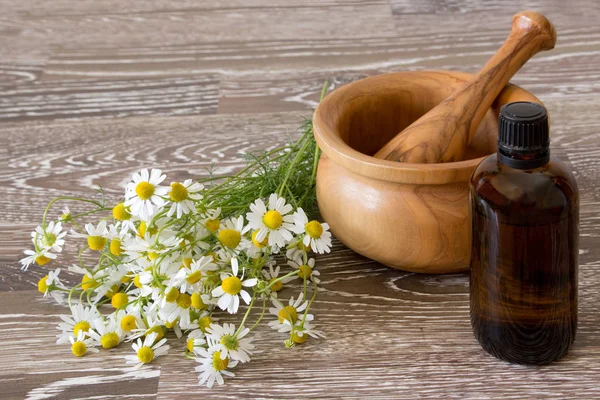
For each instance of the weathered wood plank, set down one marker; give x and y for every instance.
(35, 367)
(119, 98)
(67, 69)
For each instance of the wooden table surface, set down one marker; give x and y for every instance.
(91, 91)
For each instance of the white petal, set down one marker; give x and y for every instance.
(245, 296)
(250, 282)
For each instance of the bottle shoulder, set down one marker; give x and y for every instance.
(550, 189)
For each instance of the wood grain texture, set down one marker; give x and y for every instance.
(255, 68)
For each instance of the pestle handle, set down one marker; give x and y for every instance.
(443, 134)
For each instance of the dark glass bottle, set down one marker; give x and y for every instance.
(525, 231)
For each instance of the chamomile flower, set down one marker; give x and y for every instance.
(212, 221)
(96, 235)
(189, 277)
(299, 250)
(271, 275)
(49, 283)
(151, 323)
(195, 340)
(66, 214)
(108, 333)
(179, 309)
(81, 344)
(231, 287)
(212, 367)
(301, 331)
(81, 320)
(231, 234)
(306, 270)
(117, 235)
(315, 234)
(271, 220)
(147, 350)
(40, 257)
(144, 193)
(289, 313)
(49, 238)
(182, 196)
(229, 344)
(129, 321)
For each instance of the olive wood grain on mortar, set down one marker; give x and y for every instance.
(408, 216)
(443, 134)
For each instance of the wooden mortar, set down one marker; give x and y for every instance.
(413, 217)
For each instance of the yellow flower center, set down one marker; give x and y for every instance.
(304, 248)
(232, 285)
(276, 287)
(115, 247)
(153, 255)
(197, 301)
(289, 313)
(230, 342)
(299, 339)
(171, 324)
(42, 260)
(88, 282)
(79, 349)
(112, 291)
(128, 323)
(109, 340)
(230, 238)
(213, 225)
(81, 326)
(145, 354)
(178, 192)
(159, 330)
(144, 190)
(119, 300)
(125, 279)
(272, 219)
(194, 277)
(136, 281)
(184, 300)
(120, 212)
(258, 244)
(204, 323)
(190, 344)
(219, 364)
(42, 287)
(96, 242)
(143, 228)
(304, 271)
(186, 263)
(49, 239)
(172, 295)
(314, 229)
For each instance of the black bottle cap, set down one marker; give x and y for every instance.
(523, 135)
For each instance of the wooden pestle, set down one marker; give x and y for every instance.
(443, 134)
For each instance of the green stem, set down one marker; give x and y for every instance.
(262, 314)
(100, 205)
(239, 329)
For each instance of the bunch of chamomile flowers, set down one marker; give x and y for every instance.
(168, 259)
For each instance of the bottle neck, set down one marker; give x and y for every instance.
(524, 160)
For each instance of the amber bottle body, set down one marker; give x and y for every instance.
(524, 261)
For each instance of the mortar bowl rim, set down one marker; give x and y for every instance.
(335, 148)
